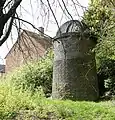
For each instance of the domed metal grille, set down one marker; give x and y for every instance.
(72, 26)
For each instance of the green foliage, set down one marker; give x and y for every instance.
(12, 101)
(106, 47)
(34, 75)
(100, 18)
(17, 104)
(106, 73)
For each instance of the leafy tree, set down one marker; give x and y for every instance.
(101, 20)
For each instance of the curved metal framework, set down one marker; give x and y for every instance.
(72, 26)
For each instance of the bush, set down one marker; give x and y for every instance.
(106, 76)
(34, 75)
(24, 105)
(12, 101)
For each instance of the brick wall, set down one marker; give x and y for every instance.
(28, 47)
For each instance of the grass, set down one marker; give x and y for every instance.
(15, 104)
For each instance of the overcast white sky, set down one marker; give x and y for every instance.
(35, 14)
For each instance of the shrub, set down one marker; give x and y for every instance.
(34, 75)
(12, 101)
(24, 105)
(106, 76)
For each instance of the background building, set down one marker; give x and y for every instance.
(28, 47)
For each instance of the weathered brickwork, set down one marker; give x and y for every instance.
(29, 46)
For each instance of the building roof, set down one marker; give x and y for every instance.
(40, 37)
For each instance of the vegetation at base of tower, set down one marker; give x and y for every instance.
(37, 76)
(18, 104)
(19, 99)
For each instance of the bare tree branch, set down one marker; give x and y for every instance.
(32, 26)
(8, 9)
(5, 17)
(13, 9)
